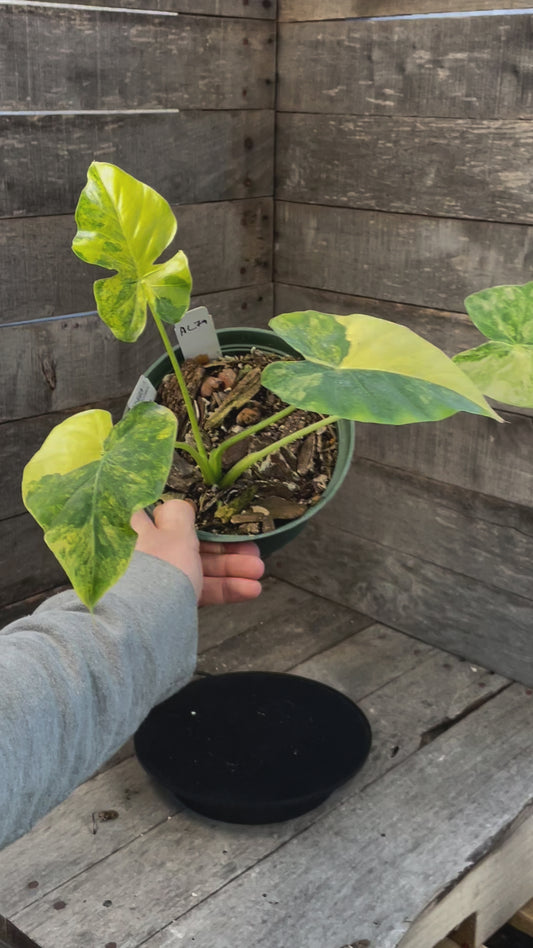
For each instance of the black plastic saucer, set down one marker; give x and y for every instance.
(254, 747)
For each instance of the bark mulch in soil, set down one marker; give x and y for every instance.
(229, 398)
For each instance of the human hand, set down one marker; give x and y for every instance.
(220, 573)
(231, 572)
(171, 536)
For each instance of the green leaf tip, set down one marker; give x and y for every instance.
(87, 479)
(125, 225)
(367, 369)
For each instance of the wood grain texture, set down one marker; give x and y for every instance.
(523, 919)
(484, 538)
(464, 451)
(488, 893)
(189, 157)
(50, 365)
(382, 665)
(438, 167)
(288, 642)
(314, 891)
(263, 9)
(430, 262)
(249, 9)
(228, 245)
(470, 618)
(82, 58)
(299, 10)
(217, 624)
(422, 67)
(27, 565)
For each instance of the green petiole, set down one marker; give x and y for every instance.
(235, 472)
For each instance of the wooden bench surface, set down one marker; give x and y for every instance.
(436, 827)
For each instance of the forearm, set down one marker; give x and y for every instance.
(75, 686)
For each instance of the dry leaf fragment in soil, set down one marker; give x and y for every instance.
(228, 398)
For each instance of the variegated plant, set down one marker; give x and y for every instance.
(356, 367)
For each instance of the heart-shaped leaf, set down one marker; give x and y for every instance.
(503, 367)
(368, 369)
(125, 225)
(85, 482)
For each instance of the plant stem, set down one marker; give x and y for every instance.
(215, 457)
(235, 472)
(203, 460)
(183, 446)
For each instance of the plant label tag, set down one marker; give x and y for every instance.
(144, 391)
(197, 335)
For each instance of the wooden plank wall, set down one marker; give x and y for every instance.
(179, 93)
(404, 169)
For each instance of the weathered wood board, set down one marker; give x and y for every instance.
(189, 157)
(263, 9)
(27, 565)
(228, 245)
(249, 9)
(474, 535)
(464, 451)
(298, 10)
(315, 890)
(443, 67)
(83, 58)
(376, 662)
(287, 643)
(487, 625)
(486, 896)
(408, 165)
(429, 262)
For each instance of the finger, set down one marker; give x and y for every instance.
(249, 567)
(220, 591)
(141, 523)
(247, 548)
(174, 514)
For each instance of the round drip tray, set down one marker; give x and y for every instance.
(254, 747)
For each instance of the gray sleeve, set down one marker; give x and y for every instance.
(75, 686)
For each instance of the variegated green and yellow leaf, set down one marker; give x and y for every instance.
(503, 313)
(501, 371)
(368, 369)
(503, 367)
(125, 225)
(85, 482)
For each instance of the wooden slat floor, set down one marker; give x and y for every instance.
(434, 831)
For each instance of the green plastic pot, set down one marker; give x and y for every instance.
(232, 342)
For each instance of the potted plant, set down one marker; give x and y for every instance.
(89, 477)
(348, 368)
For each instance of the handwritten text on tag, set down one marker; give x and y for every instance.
(197, 335)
